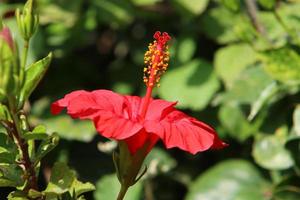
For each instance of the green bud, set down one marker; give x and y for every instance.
(8, 64)
(27, 20)
(127, 165)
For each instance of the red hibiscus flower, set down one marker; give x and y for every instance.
(137, 120)
(138, 123)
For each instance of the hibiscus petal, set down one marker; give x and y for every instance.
(59, 105)
(133, 104)
(158, 108)
(218, 144)
(140, 139)
(106, 108)
(83, 104)
(184, 132)
(114, 127)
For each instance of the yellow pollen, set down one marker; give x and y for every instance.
(156, 60)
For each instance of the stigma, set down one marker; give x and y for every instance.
(156, 59)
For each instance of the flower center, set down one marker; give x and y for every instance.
(156, 60)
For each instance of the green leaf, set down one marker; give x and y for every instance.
(63, 179)
(290, 15)
(7, 183)
(186, 49)
(17, 195)
(271, 94)
(7, 157)
(56, 15)
(282, 64)
(234, 121)
(70, 129)
(117, 13)
(34, 194)
(231, 60)
(194, 7)
(145, 2)
(269, 152)
(293, 146)
(263, 99)
(192, 85)
(4, 113)
(296, 120)
(268, 4)
(159, 161)
(33, 76)
(2, 95)
(8, 150)
(233, 5)
(6, 144)
(108, 187)
(38, 133)
(35, 136)
(220, 24)
(234, 179)
(274, 32)
(288, 188)
(46, 146)
(248, 86)
(10, 175)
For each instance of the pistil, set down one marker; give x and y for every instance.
(156, 60)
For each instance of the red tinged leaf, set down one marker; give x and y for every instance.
(6, 35)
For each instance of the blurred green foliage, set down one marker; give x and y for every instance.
(234, 64)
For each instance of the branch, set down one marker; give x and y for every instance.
(16, 131)
(252, 13)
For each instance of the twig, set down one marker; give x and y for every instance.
(29, 168)
(252, 12)
(23, 147)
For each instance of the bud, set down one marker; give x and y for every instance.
(8, 63)
(27, 20)
(128, 165)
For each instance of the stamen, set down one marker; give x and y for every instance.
(156, 59)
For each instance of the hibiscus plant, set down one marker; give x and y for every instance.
(135, 123)
(22, 146)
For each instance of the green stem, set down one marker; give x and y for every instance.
(23, 62)
(25, 53)
(122, 192)
(275, 176)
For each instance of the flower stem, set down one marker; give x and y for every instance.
(23, 62)
(122, 192)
